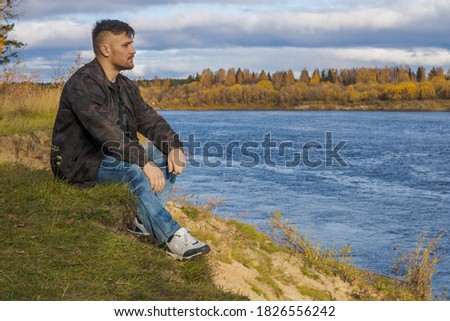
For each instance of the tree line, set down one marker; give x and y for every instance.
(247, 89)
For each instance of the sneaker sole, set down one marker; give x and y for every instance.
(139, 229)
(186, 258)
(137, 233)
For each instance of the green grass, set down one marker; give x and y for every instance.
(59, 242)
(255, 238)
(315, 294)
(24, 122)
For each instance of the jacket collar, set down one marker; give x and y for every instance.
(101, 74)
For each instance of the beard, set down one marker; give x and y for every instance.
(125, 64)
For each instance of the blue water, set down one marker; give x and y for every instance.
(388, 181)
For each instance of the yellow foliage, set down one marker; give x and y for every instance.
(438, 79)
(267, 84)
(144, 90)
(401, 91)
(366, 76)
(315, 79)
(446, 90)
(426, 90)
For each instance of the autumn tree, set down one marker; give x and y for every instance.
(206, 78)
(248, 76)
(156, 82)
(403, 75)
(166, 84)
(383, 76)
(426, 90)
(263, 76)
(304, 76)
(315, 79)
(288, 78)
(348, 76)
(277, 79)
(366, 76)
(436, 75)
(220, 76)
(231, 77)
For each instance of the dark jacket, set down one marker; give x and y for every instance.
(86, 126)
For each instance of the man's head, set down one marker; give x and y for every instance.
(113, 41)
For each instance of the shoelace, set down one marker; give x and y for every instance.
(189, 239)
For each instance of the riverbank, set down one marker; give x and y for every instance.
(63, 243)
(441, 105)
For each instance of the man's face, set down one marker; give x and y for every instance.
(122, 51)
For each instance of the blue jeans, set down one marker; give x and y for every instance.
(151, 209)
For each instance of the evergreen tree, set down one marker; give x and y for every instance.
(9, 47)
(239, 76)
(421, 74)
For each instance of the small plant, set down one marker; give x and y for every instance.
(330, 261)
(420, 266)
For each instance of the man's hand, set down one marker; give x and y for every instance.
(176, 162)
(155, 176)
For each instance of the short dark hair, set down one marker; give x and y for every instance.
(117, 27)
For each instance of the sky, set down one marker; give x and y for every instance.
(178, 38)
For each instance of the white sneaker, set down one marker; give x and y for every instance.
(183, 246)
(138, 229)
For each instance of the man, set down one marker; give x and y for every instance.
(95, 138)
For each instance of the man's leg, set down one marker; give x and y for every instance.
(182, 245)
(151, 208)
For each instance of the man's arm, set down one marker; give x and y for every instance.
(154, 127)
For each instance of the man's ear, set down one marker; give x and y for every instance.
(105, 50)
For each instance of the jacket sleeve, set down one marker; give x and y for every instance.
(153, 126)
(89, 102)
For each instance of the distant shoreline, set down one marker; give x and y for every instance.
(441, 105)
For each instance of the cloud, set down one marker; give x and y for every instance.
(46, 35)
(201, 28)
(177, 38)
(36, 9)
(354, 27)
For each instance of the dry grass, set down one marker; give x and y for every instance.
(24, 104)
(418, 265)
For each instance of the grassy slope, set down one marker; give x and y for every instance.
(58, 242)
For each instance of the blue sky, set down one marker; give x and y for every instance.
(176, 38)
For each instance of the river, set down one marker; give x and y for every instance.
(374, 180)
